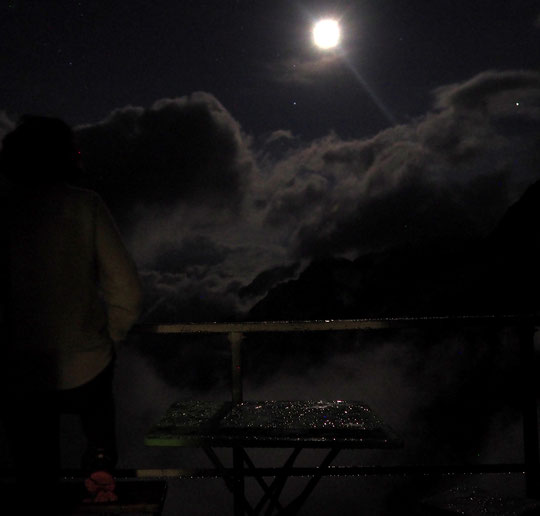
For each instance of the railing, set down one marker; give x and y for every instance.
(524, 325)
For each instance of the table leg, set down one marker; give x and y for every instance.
(238, 481)
(278, 484)
(297, 503)
(267, 489)
(234, 482)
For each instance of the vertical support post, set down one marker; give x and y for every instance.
(530, 415)
(235, 338)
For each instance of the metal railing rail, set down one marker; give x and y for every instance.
(525, 326)
(494, 321)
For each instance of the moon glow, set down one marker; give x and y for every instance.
(326, 34)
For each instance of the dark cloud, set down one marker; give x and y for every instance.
(187, 149)
(268, 279)
(176, 176)
(195, 253)
(187, 296)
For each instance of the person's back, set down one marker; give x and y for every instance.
(74, 290)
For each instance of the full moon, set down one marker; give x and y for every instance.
(326, 34)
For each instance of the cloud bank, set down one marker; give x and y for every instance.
(209, 211)
(206, 209)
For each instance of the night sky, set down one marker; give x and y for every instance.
(80, 59)
(233, 154)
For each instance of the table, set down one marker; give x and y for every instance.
(333, 425)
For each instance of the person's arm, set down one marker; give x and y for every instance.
(118, 276)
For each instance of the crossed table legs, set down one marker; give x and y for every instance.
(271, 491)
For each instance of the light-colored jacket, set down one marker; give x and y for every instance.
(74, 288)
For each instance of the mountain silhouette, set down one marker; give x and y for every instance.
(499, 274)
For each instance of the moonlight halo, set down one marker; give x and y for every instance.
(326, 33)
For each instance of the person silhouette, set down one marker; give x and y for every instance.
(70, 291)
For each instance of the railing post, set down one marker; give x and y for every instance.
(530, 415)
(235, 338)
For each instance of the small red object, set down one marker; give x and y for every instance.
(101, 485)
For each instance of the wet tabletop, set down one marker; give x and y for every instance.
(272, 423)
(474, 501)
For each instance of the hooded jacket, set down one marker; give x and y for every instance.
(74, 290)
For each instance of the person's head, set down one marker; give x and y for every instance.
(40, 151)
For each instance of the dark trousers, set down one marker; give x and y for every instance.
(33, 428)
(94, 403)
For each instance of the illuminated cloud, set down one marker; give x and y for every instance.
(280, 134)
(478, 93)
(452, 172)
